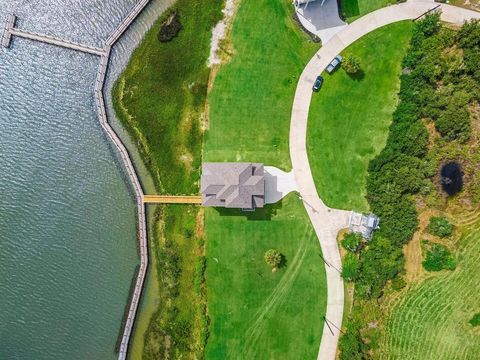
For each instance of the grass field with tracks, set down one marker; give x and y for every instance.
(257, 314)
(252, 96)
(349, 118)
(431, 322)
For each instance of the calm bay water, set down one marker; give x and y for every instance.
(67, 215)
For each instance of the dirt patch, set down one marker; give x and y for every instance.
(200, 226)
(219, 47)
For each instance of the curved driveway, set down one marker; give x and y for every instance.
(327, 222)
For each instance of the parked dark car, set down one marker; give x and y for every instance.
(318, 83)
(334, 64)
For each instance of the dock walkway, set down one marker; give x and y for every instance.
(10, 30)
(172, 199)
(104, 53)
(57, 42)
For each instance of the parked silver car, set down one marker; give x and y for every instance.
(334, 64)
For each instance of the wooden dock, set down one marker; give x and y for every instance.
(47, 39)
(139, 195)
(10, 31)
(140, 198)
(7, 34)
(172, 199)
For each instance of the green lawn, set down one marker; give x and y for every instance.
(431, 321)
(353, 9)
(257, 314)
(349, 117)
(251, 100)
(254, 313)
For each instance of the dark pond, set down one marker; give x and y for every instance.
(451, 178)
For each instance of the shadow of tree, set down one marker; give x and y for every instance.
(283, 262)
(358, 76)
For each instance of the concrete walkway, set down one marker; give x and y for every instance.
(327, 222)
(278, 184)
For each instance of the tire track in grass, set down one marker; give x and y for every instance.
(276, 297)
(431, 322)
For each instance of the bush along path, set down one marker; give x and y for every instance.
(406, 168)
(327, 221)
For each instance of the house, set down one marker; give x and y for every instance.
(233, 185)
(364, 224)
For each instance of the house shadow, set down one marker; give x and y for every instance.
(265, 213)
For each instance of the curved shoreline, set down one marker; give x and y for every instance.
(127, 162)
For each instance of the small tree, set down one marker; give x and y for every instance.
(438, 258)
(351, 267)
(351, 242)
(273, 258)
(475, 320)
(440, 226)
(351, 64)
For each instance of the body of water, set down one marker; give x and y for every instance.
(67, 215)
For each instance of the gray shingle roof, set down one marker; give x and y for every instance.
(233, 185)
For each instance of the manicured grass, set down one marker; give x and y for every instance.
(349, 117)
(432, 319)
(353, 9)
(161, 94)
(254, 313)
(252, 96)
(257, 314)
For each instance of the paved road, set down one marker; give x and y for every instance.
(327, 222)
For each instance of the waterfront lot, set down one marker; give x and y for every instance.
(255, 313)
(349, 118)
(252, 96)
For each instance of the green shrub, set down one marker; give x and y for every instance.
(429, 25)
(475, 320)
(440, 226)
(438, 258)
(351, 64)
(273, 258)
(381, 261)
(454, 122)
(398, 283)
(351, 267)
(351, 344)
(170, 27)
(351, 242)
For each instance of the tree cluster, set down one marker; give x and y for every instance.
(439, 82)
